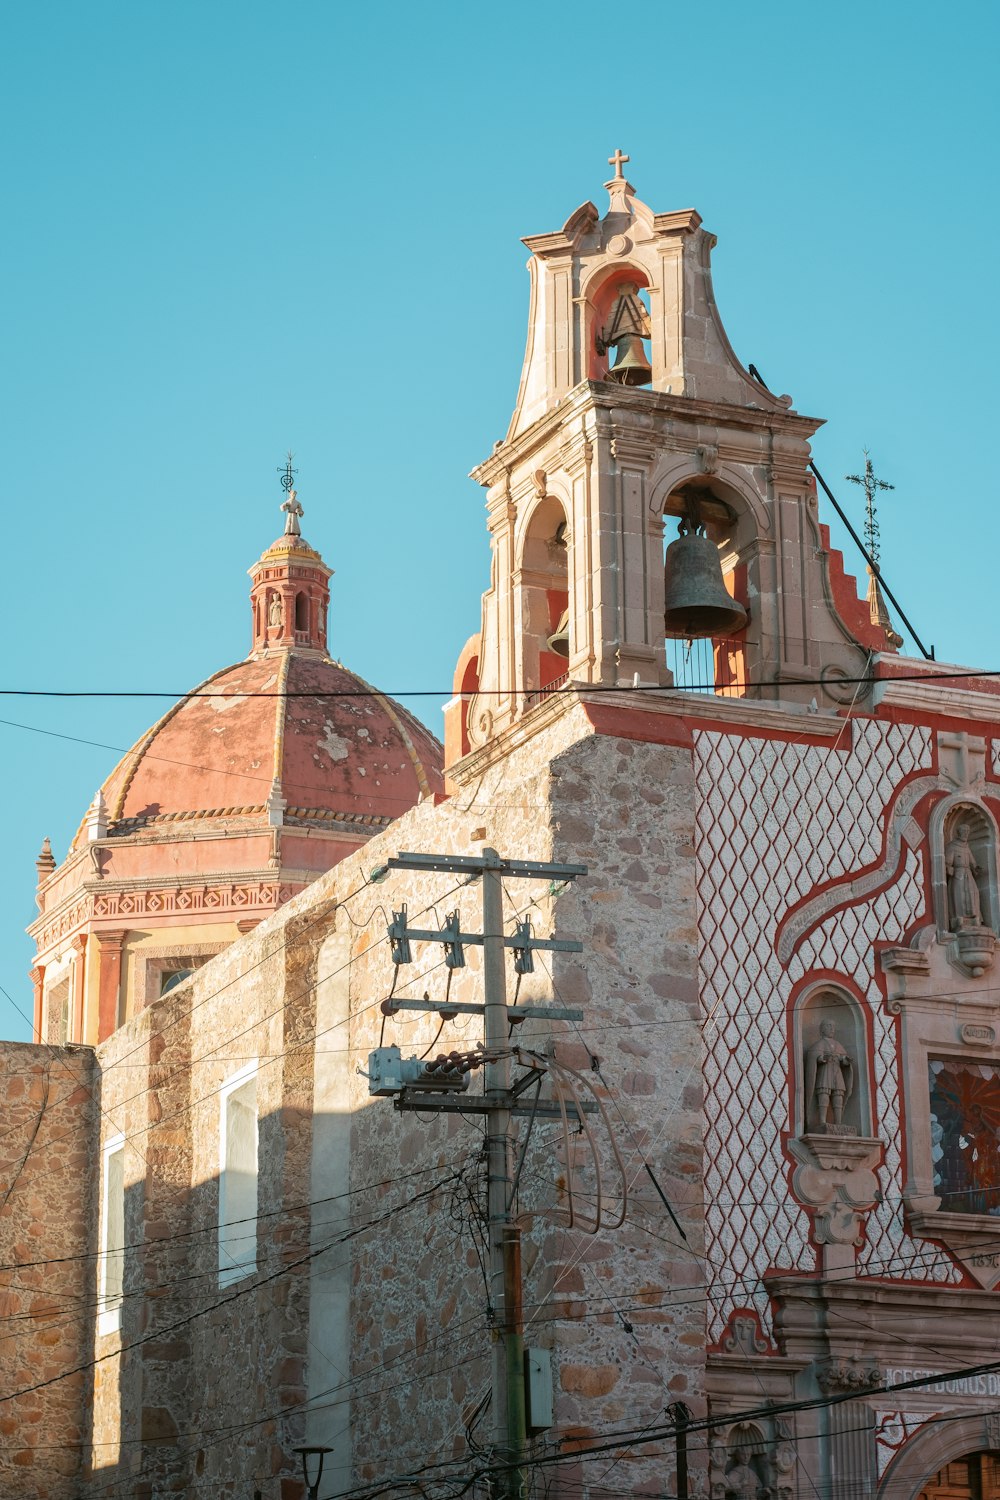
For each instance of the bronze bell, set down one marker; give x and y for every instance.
(558, 641)
(697, 602)
(631, 367)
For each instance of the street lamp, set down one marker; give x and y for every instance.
(312, 1459)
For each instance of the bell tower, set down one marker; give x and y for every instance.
(635, 426)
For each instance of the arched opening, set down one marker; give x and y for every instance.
(301, 613)
(974, 1476)
(618, 340)
(465, 685)
(470, 684)
(546, 628)
(716, 662)
(950, 1452)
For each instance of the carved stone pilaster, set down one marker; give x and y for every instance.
(850, 1424)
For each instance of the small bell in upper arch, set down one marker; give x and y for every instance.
(631, 367)
(626, 329)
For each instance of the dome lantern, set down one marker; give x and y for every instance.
(290, 594)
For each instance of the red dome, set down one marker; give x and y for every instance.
(340, 752)
(249, 788)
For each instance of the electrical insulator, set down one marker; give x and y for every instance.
(524, 963)
(390, 1073)
(454, 950)
(398, 940)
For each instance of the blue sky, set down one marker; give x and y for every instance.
(232, 228)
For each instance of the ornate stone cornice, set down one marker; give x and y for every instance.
(221, 896)
(700, 711)
(936, 692)
(592, 396)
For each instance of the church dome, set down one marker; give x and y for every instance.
(291, 723)
(250, 787)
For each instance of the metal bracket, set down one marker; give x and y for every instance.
(482, 1104)
(451, 935)
(448, 1008)
(470, 864)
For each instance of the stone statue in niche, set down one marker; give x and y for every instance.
(965, 907)
(743, 1482)
(829, 1077)
(274, 610)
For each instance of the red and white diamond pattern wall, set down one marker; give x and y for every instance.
(776, 820)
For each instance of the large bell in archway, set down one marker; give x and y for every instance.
(631, 367)
(558, 641)
(696, 600)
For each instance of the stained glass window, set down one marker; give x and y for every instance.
(965, 1135)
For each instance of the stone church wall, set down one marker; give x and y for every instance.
(209, 1385)
(197, 1365)
(625, 809)
(47, 1244)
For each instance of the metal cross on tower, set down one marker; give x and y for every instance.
(288, 473)
(870, 484)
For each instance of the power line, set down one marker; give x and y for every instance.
(243, 1291)
(566, 690)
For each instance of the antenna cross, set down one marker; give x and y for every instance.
(617, 160)
(869, 483)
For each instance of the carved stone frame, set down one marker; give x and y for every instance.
(943, 1013)
(834, 1176)
(971, 951)
(150, 964)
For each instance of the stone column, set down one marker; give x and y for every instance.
(109, 984)
(849, 1441)
(638, 551)
(37, 977)
(79, 986)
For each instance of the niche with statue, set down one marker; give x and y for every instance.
(832, 1140)
(964, 876)
(753, 1462)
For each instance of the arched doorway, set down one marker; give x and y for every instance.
(975, 1476)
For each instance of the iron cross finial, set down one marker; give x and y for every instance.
(870, 484)
(288, 473)
(617, 160)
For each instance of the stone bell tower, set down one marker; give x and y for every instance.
(634, 414)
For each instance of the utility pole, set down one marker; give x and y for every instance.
(417, 1086)
(505, 1238)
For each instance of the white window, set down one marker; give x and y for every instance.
(112, 1264)
(238, 1176)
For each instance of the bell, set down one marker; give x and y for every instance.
(697, 602)
(631, 366)
(558, 641)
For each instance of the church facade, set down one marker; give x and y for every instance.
(764, 1262)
